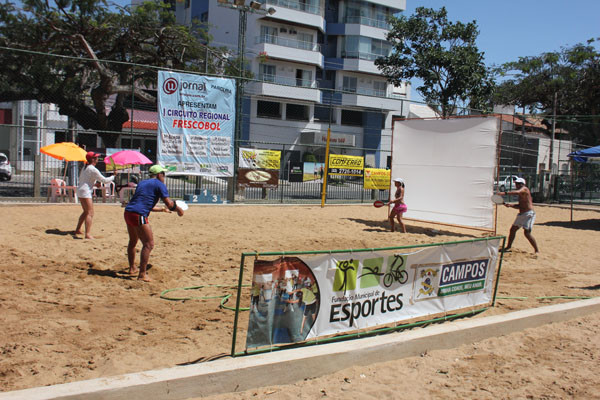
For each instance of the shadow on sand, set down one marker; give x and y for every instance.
(586, 224)
(122, 274)
(384, 226)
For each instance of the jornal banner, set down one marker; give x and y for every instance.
(196, 120)
(298, 298)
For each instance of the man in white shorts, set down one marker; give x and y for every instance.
(526, 216)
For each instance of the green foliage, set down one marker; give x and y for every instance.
(443, 54)
(569, 79)
(309, 157)
(84, 84)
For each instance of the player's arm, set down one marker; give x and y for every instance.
(170, 206)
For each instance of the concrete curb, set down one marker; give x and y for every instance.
(289, 366)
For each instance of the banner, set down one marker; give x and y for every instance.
(258, 158)
(376, 178)
(261, 178)
(346, 165)
(196, 122)
(312, 171)
(300, 298)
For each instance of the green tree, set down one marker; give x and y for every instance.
(568, 79)
(441, 53)
(78, 54)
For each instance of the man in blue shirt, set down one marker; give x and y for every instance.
(144, 201)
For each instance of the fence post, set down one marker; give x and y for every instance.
(37, 175)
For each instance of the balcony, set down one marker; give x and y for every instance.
(371, 98)
(286, 87)
(376, 23)
(299, 13)
(297, 5)
(290, 49)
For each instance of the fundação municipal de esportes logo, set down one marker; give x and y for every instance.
(380, 271)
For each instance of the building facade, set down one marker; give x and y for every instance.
(313, 63)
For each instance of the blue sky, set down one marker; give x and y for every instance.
(511, 29)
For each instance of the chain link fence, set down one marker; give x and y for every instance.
(291, 116)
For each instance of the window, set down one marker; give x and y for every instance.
(268, 109)
(305, 41)
(349, 84)
(322, 114)
(268, 34)
(267, 73)
(380, 88)
(303, 78)
(351, 117)
(296, 112)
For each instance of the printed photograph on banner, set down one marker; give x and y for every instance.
(284, 302)
(261, 178)
(312, 171)
(196, 120)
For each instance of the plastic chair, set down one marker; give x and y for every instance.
(57, 190)
(107, 191)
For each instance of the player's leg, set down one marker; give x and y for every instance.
(531, 239)
(144, 232)
(133, 239)
(511, 236)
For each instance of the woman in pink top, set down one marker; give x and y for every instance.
(399, 206)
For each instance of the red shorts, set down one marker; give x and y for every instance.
(135, 219)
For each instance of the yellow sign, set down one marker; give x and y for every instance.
(259, 158)
(346, 165)
(376, 178)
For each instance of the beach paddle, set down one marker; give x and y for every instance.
(379, 203)
(181, 204)
(497, 199)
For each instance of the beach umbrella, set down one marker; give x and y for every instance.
(67, 151)
(127, 157)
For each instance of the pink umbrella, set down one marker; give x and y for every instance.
(126, 157)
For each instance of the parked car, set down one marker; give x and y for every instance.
(506, 183)
(5, 168)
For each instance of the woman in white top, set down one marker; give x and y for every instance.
(87, 179)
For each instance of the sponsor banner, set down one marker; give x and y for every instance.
(376, 178)
(346, 165)
(258, 158)
(315, 296)
(312, 171)
(261, 178)
(196, 120)
(296, 171)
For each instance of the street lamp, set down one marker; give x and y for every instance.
(253, 7)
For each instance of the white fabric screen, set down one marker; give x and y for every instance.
(448, 168)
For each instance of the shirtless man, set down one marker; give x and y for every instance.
(526, 216)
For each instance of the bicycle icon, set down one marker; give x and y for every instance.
(396, 272)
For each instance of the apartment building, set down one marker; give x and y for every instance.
(310, 57)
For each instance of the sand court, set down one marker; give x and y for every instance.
(69, 313)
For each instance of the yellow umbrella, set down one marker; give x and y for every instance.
(67, 151)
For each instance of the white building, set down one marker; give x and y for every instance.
(301, 53)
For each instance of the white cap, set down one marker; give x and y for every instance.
(520, 180)
(398, 180)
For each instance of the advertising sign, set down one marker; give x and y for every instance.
(259, 158)
(376, 178)
(262, 178)
(196, 120)
(314, 296)
(346, 165)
